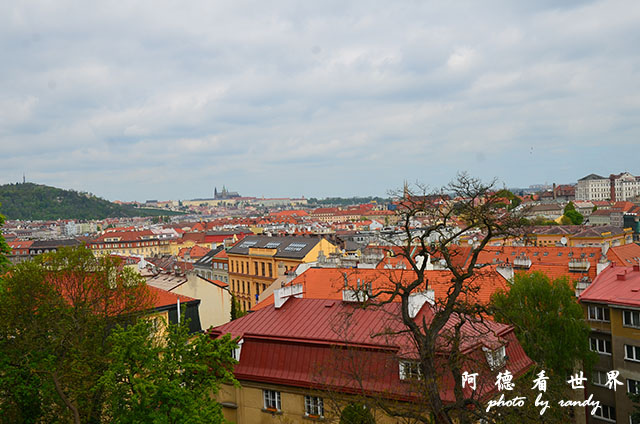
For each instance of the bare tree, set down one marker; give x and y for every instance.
(452, 225)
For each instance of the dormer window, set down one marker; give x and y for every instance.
(496, 358)
(410, 370)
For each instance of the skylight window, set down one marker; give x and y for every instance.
(295, 247)
(247, 244)
(272, 245)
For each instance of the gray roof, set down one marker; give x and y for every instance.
(592, 177)
(287, 246)
(54, 244)
(205, 261)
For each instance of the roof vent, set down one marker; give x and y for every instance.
(522, 261)
(579, 265)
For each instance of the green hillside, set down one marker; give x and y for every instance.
(30, 201)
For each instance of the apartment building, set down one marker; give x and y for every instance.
(612, 309)
(257, 261)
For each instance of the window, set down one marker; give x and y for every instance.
(600, 345)
(313, 406)
(495, 358)
(599, 378)
(271, 400)
(270, 270)
(605, 412)
(631, 318)
(263, 273)
(410, 370)
(598, 313)
(256, 267)
(632, 353)
(633, 386)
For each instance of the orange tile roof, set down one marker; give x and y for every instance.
(327, 283)
(628, 254)
(162, 298)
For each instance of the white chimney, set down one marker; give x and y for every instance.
(281, 295)
(417, 301)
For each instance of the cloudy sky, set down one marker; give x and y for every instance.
(162, 100)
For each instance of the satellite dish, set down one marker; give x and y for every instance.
(470, 241)
(563, 240)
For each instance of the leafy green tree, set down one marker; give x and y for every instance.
(356, 413)
(572, 215)
(165, 378)
(56, 313)
(4, 249)
(549, 322)
(236, 309)
(513, 200)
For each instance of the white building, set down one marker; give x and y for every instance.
(618, 187)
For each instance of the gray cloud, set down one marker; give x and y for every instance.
(166, 100)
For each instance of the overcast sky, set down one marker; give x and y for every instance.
(165, 100)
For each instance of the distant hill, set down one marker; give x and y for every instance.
(30, 201)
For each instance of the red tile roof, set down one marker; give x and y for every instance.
(552, 260)
(162, 298)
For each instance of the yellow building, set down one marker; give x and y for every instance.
(304, 359)
(257, 261)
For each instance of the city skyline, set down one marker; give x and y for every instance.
(167, 101)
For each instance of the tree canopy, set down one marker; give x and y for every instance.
(571, 215)
(548, 320)
(4, 249)
(62, 361)
(167, 379)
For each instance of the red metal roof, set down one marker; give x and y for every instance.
(314, 342)
(618, 285)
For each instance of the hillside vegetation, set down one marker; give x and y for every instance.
(30, 201)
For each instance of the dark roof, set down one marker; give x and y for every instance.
(287, 246)
(205, 261)
(592, 177)
(54, 244)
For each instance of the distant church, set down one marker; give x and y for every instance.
(224, 194)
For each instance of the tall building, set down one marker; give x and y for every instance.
(617, 187)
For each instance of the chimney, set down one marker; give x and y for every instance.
(417, 301)
(281, 295)
(636, 268)
(622, 276)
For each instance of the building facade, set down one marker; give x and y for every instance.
(612, 309)
(257, 261)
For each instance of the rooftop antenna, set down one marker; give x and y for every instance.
(24, 178)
